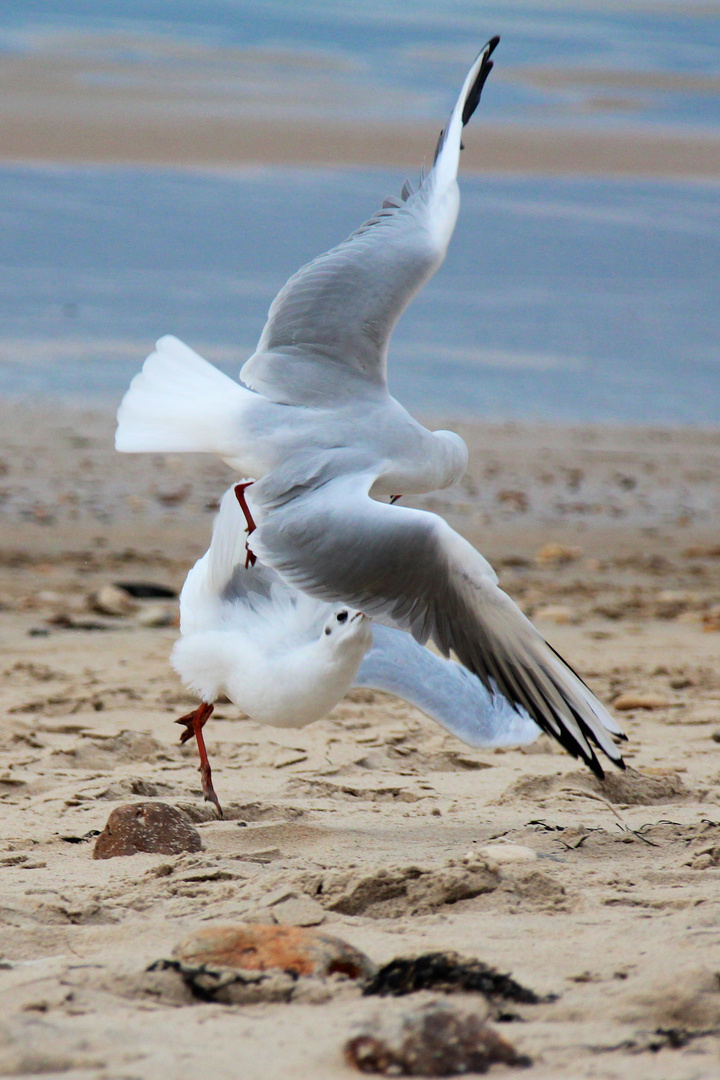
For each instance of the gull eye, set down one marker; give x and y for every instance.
(342, 616)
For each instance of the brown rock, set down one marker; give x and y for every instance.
(436, 1039)
(626, 702)
(292, 949)
(146, 826)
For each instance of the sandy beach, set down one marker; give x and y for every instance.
(373, 825)
(607, 538)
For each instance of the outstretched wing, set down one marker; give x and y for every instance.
(409, 566)
(443, 690)
(328, 329)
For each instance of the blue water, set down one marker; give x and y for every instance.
(398, 58)
(560, 299)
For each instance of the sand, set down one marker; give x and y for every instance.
(607, 537)
(189, 107)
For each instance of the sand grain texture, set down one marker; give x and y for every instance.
(373, 822)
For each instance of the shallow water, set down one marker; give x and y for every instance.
(560, 298)
(568, 299)
(655, 62)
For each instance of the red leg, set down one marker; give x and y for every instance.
(251, 526)
(194, 723)
(394, 499)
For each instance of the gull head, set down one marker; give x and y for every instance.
(454, 454)
(346, 633)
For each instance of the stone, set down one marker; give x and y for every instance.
(146, 826)
(110, 600)
(158, 615)
(298, 911)
(291, 949)
(629, 701)
(434, 1039)
(554, 554)
(507, 853)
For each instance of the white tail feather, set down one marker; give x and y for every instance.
(179, 402)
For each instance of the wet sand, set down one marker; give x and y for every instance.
(608, 539)
(225, 109)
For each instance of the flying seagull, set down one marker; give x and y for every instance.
(314, 420)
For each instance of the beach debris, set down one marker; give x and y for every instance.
(246, 963)
(173, 496)
(158, 615)
(298, 911)
(292, 949)
(146, 826)
(555, 554)
(146, 590)
(449, 973)
(507, 853)
(514, 500)
(111, 600)
(627, 702)
(434, 1039)
(65, 621)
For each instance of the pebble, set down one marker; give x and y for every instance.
(298, 911)
(507, 853)
(434, 1039)
(626, 702)
(146, 826)
(292, 949)
(110, 600)
(554, 554)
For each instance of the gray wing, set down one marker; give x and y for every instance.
(409, 567)
(328, 329)
(443, 690)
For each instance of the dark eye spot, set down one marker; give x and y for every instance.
(342, 616)
(327, 629)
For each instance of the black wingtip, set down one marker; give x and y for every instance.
(471, 101)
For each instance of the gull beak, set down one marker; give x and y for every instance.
(359, 615)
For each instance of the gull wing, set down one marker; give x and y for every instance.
(409, 567)
(328, 329)
(443, 690)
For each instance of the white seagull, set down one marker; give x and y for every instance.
(315, 420)
(286, 659)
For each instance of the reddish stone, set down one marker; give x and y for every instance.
(146, 826)
(293, 949)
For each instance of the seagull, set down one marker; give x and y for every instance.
(313, 420)
(287, 659)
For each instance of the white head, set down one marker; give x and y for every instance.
(346, 633)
